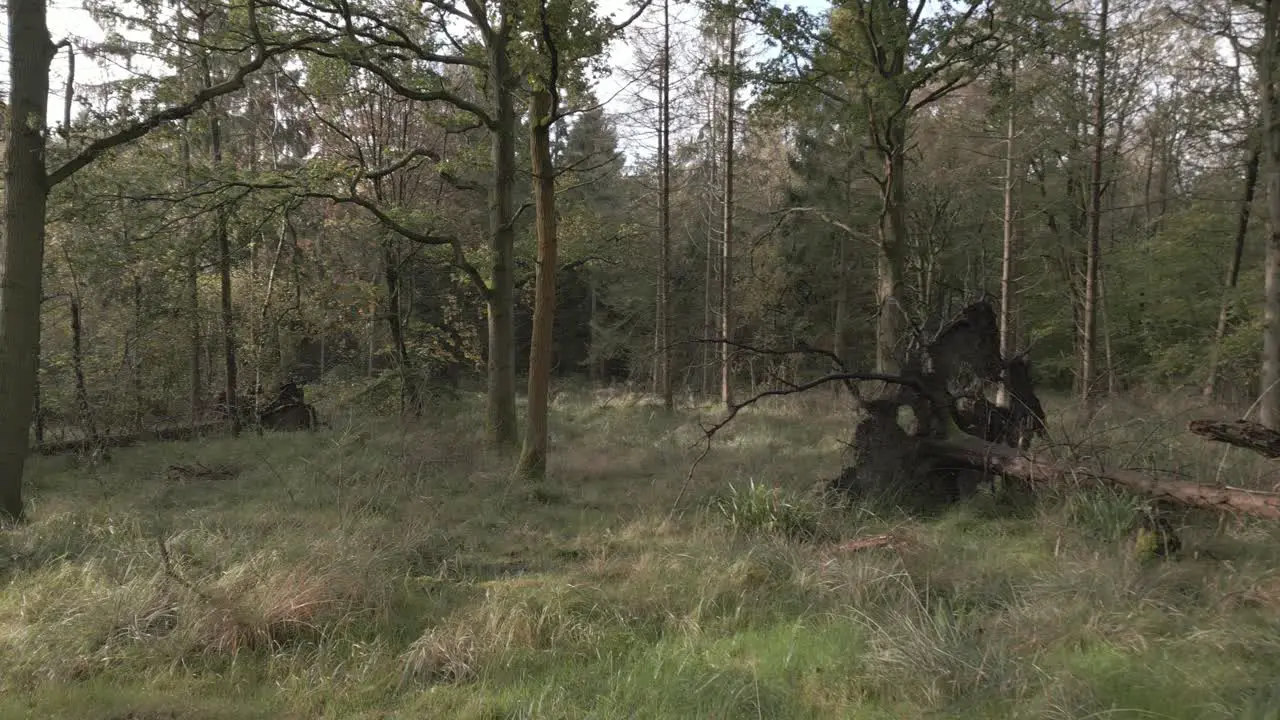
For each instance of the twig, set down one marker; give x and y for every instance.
(709, 432)
(801, 348)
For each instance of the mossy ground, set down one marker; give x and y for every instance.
(380, 569)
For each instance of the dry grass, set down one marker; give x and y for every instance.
(389, 570)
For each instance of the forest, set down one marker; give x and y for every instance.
(659, 358)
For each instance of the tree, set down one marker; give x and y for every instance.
(885, 58)
(726, 262)
(663, 331)
(1093, 260)
(28, 184)
(1269, 407)
(543, 113)
(26, 197)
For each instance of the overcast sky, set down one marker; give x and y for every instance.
(67, 18)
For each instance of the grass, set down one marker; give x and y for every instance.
(380, 569)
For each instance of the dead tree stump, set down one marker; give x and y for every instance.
(942, 394)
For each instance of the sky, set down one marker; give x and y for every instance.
(68, 18)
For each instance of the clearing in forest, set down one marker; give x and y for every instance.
(376, 569)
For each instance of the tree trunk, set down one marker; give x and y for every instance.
(726, 260)
(501, 400)
(533, 458)
(1088, 340)
(971, 452)
(1269, 408)
(1240, 433)
(410, 393)
(891, 319)
(1007, 249)
(710, 297)
(26, 198)
(840, 322)
(1233, 273)
(192, 274)
(136, 357)
(87, 424)
(224, 272)
(594, 361)
(664, 264)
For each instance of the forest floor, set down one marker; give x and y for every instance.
(378, 570)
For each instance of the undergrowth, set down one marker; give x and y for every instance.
(386, 569)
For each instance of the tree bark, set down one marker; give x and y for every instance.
(1269, 407)
(891, 321)
(410, 393)
(500, 298)
(840, 321)
(533, 458)
(1233, 272)
(973, 453)
(1241, 433)
(87, 423)
(26, 198)
(726, 260)
(192, 276)
(223, 237)
(1007, 249)
(1093, 255)
(664, 262)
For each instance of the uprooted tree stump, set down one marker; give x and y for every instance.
(933, 436)
(940, 394)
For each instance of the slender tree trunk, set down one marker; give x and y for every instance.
(192, 276)
(726, 267)
(37, 412)
(87, 424)
(840, 321)
(410, 394)
(533, 458)
(664, 262)
(136, 357)
(224, 272)
(1269, 410)
(193, 309)
(1008, 249)
(1094, 252)
(594, 376)
(1149, 219)
(710, 297)
(1233, 272)
(26, 198)
(1108, 358)
(501, 400)
(891, 321)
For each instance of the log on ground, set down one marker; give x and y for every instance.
(178, 432)
(1241, 433)
(969, 452)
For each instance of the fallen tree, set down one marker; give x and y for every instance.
(85, 444)
(975, 454)
(932, 436)
(1241, 433)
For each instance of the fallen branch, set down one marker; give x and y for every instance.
(874, 541)
(1240, 433)
(183, 432)
(973, 453)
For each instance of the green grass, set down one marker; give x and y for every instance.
(380, 569)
